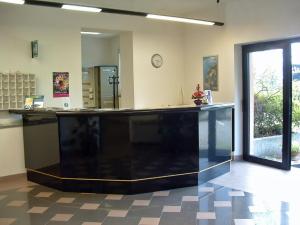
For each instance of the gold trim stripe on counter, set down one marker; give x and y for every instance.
(118, 180)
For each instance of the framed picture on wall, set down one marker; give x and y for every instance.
(60, 84)
(210, 73)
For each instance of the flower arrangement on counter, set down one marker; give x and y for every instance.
(198, 96)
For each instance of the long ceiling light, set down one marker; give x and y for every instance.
(113, 11)
(179, 19)
(19, 2)
(89, 32)
(81, 8)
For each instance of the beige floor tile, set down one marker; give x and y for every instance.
(25, 189)
(169, 208)
(222, 204)
(206, 189)
(113, 197)
(257, 209)
(190, 198)
(236, 193)
(91, 223)
(44, 194)
(7, 221)
(65, 200)
(149, 221)
(206, 215)
(14, 182)
(38, 210)
(141, 202)
(117, 213)
(161, 193)
(90, 206)
(244, 222)
(16, 203)
(62, 217)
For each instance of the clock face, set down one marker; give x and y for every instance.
(157, 60)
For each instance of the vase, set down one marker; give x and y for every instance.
(198, 101)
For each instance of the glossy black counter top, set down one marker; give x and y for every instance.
(126, 111)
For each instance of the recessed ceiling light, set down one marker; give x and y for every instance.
(88, 32)
(179, 19)
(19, 2)
(81, 8)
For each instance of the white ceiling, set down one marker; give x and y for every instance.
(168, 7)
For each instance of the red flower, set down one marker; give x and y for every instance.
(198, 94)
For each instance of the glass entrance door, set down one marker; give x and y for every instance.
(267, 104)
(295, 148)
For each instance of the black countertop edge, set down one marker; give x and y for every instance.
(126, 111)
(10, 126)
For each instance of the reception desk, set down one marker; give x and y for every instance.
(127, 151)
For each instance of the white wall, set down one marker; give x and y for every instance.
(245, 22)
(11, 151)
(57, 52)
(115, 49)
(95, 51)
(58, 33)
(126, 73)
(156, 87)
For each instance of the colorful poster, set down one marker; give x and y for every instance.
(210, 73)
(60, 84)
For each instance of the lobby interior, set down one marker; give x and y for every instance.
(259, 189)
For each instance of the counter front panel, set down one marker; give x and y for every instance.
(128, 151)
(129, 147)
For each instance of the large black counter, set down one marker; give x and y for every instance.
(127, 151)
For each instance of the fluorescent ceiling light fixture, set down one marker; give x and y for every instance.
(88, 32)
(19, 2)
(179, 19)
(81, 8)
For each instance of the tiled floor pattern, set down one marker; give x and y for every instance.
(209, 204)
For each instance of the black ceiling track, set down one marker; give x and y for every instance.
(44, 3)
(104, 10)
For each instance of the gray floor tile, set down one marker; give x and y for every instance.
(90, 215)
(150, 211)
(119, 204)
(121, 221)
(178, 219)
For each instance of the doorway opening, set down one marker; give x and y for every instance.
(100, 69)
(271, 91)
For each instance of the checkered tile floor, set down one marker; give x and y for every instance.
(208, 204)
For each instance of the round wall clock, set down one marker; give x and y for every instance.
(157, 60)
